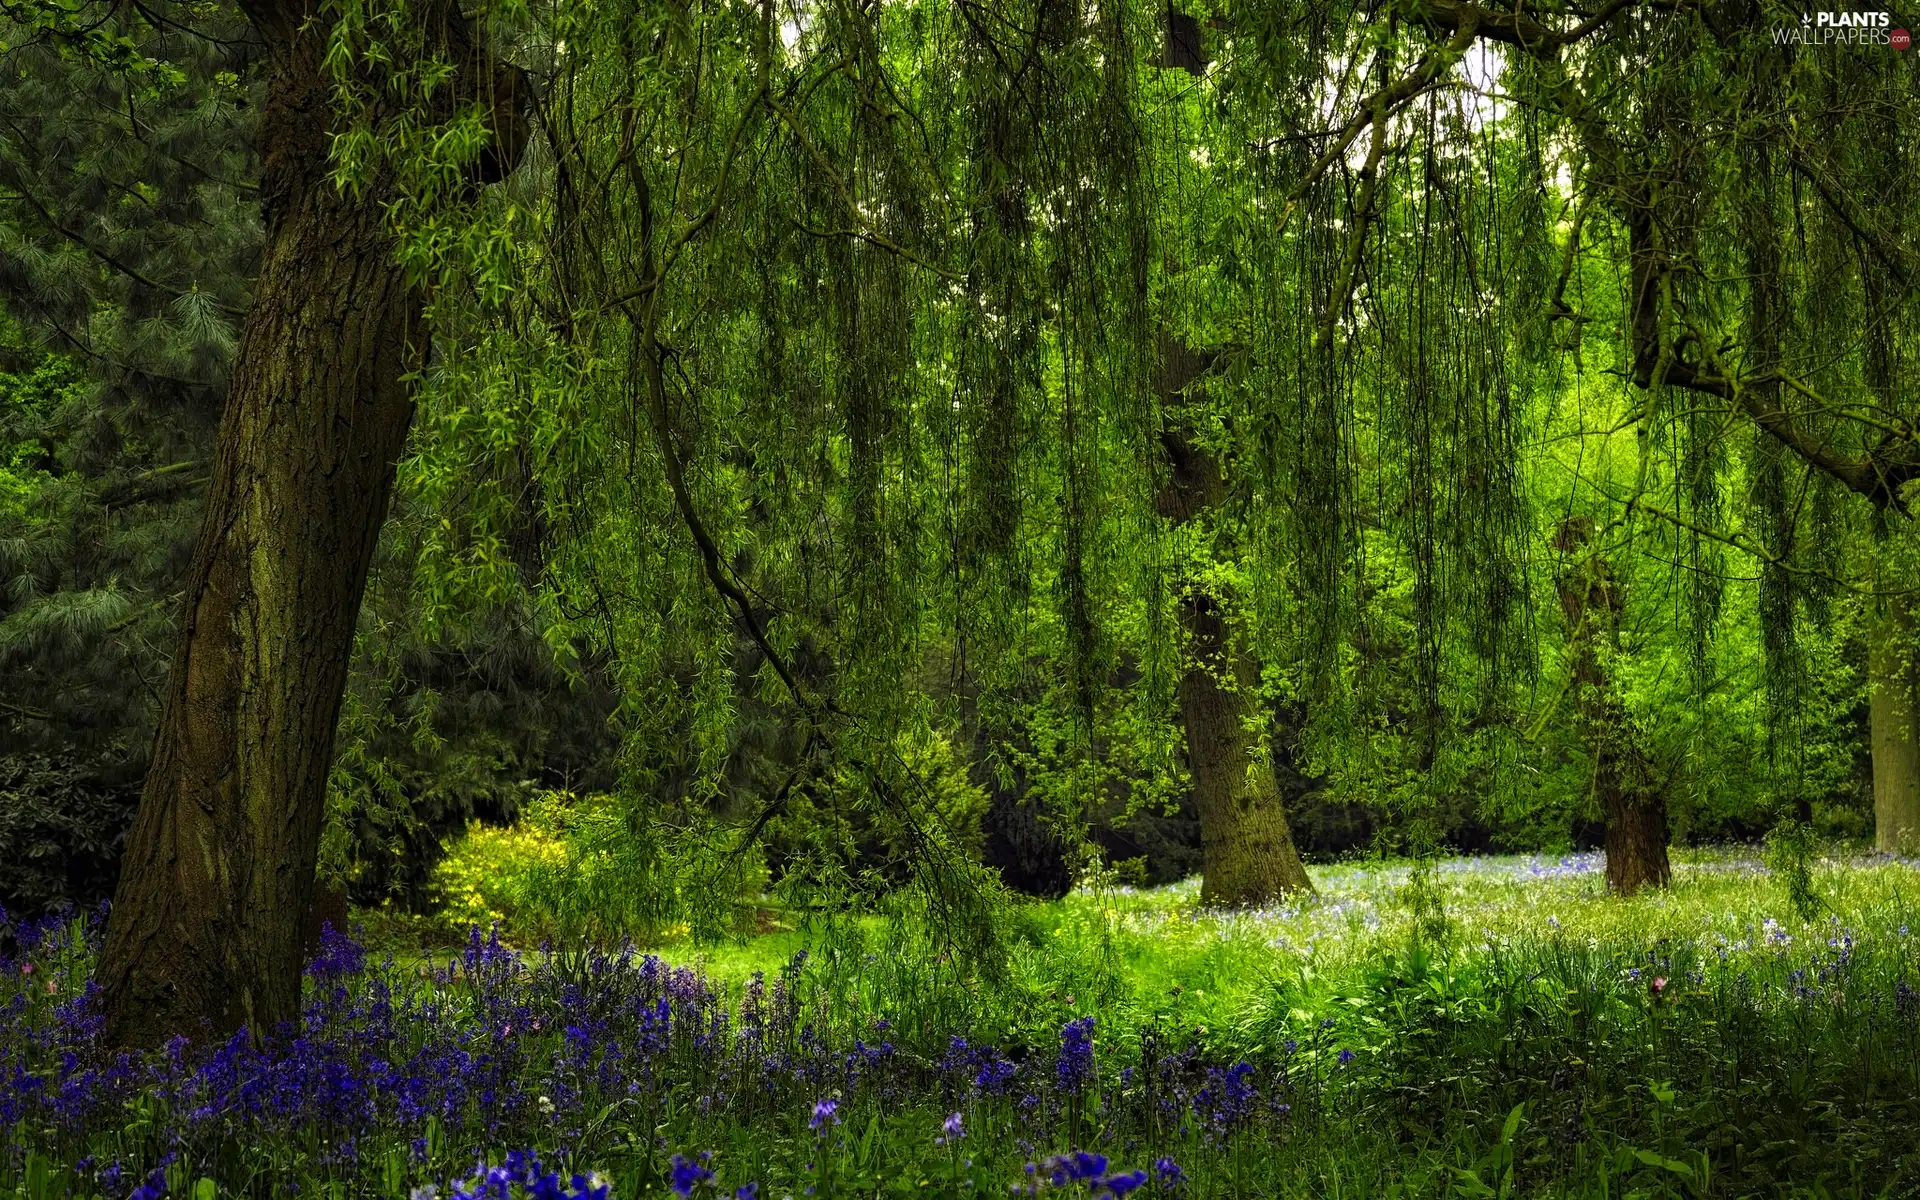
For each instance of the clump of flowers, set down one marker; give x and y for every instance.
(1228, 1099)
(684, 1174)
(1073, 1070)
(1081, 1168)
(523, 1175)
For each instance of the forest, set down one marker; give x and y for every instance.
(770, 598)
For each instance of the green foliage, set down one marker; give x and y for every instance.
(60, 832)
(834, 392)
(127, 238)
(588, 868)
(1555, 1042)
(75, 27)
(791, 459)
(1790, 856)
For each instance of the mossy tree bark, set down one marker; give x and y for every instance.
(205, 935)
(1894, 709)
(1247, 853)
(1624, 783)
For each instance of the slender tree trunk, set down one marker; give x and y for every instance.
(1893, 715)
(1623, 779)
(1247, 854)
(205, 935)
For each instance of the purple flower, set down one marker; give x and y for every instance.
(953, 1127)
(1228, 1098)
(1073, 1070)
(339, 955)
(825, 1112)
(1120, 1184)
(1169, 1172)
(1063, 1169)
(683, 1174)
(1346, 1056)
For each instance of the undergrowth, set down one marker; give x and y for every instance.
(1705, 1042)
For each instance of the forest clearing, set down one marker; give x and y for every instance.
(835, 598)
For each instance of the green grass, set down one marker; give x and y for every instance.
(1517, 1032)
(1133, 954)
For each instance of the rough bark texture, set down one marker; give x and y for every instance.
(1894, 709)
(1630, 798)
(206, 929)
(1246, 847)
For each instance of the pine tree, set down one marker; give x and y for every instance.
(128, 234)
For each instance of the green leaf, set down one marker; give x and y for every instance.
(1513, 1123)
(1654, 1159)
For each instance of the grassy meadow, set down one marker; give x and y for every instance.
(1474, 1027)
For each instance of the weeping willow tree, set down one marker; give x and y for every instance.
(874, 359)
(880, 356)
(1216, 341)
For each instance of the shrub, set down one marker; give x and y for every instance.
(61, 831)
(597, 867)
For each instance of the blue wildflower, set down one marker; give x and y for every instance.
(1228, 1098)
(1074, 1067)
(1063, 1169)
(683, 1174)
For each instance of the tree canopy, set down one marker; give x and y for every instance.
(838, 422)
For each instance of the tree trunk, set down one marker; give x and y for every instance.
(1894, 708)
(205, 934)
(1630, 798)
(1247, 854)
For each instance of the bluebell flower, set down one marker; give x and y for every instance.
(1228, 1098)
(1081, 1165)
(683, 1174)
(1073, 1070)
(339, 955)
(1169, 1172)
(825, 1112)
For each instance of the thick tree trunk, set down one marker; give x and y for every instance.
(1623, 779)
(1894, 708)
(1636, 833)
(205, 935)
(1247, 854)
(219, 872)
